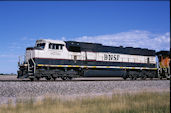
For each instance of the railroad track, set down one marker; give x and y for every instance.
(78, 80)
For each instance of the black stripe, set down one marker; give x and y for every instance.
(90, 63)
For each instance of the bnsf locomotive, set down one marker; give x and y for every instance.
(53, 59)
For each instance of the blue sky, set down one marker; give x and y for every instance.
(127, 23)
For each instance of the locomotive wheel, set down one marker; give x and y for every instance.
(54, 78)
(167, 76)
(37, 78)
(48, 78)
(161, 77)
(69, 78)
(64, 78)
(143, 77)
(124, 78)
(131, 77)
(32, 79)
(151, 78)
(135, 77)
(151, 75)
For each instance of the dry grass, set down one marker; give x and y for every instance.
(145, 102)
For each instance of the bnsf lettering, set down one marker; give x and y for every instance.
(111, 57)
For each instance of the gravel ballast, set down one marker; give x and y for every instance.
(70, 89)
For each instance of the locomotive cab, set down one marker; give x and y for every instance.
(43, 49)
(46, 49)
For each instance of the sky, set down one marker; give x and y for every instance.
(144, 24)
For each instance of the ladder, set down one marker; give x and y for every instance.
(31, 69)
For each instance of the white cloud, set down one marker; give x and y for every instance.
(134, 38)
(63, 38)
(13, 56)
(28, 39)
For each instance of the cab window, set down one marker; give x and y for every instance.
(41, 45)
(56, 46)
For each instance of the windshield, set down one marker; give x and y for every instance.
(41, 45)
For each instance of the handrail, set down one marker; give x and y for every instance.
(28, 63)
(21, 61)
(33, 62)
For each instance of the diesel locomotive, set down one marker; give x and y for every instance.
(53, 59)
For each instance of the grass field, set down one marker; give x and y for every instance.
(144, 102)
